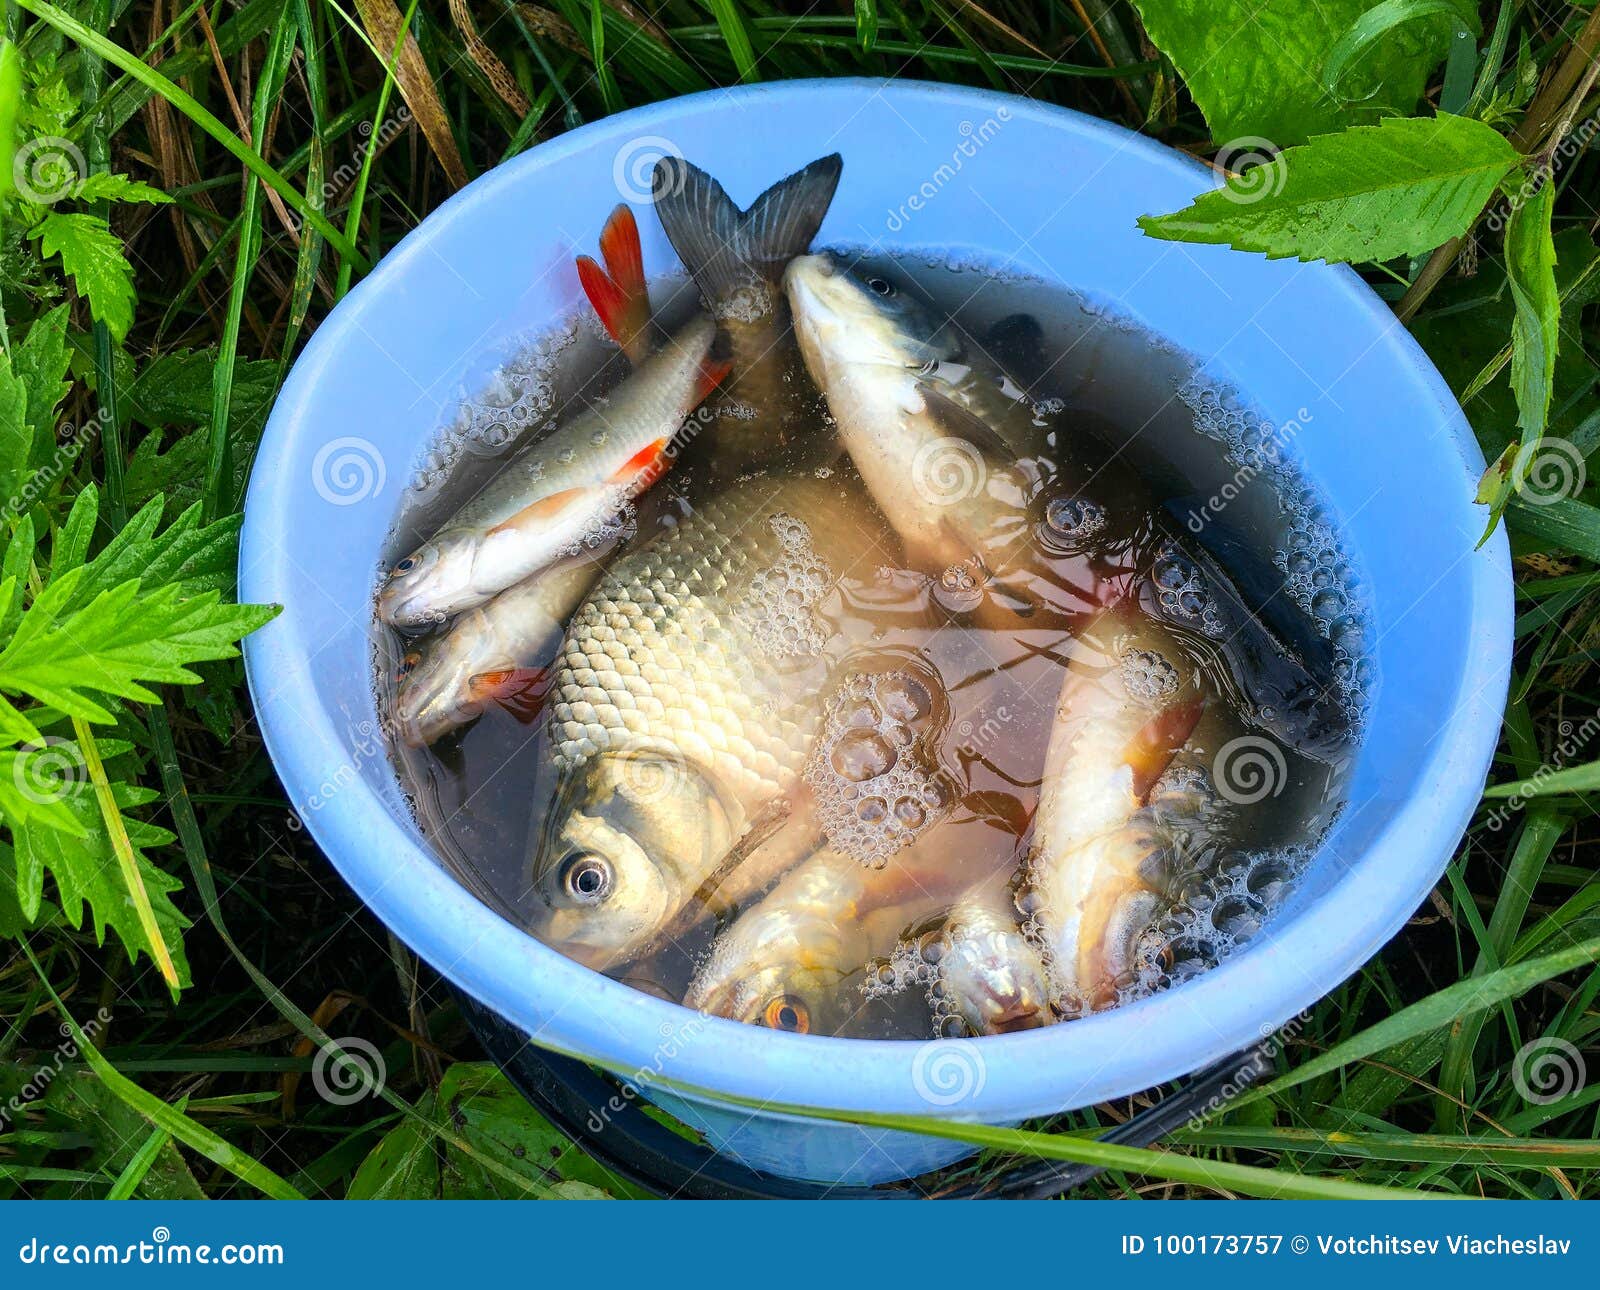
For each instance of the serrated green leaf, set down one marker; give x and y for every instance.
(1367, 194)
(86, 873)
(1256, 70)
(16, 439)
(117, 188)
(41, 365)
(120, 643)
(92, 256)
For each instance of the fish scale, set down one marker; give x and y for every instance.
(681, 647)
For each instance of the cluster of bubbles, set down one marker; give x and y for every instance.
(1318, 574)
(1215, 910)
(876, 784)
(779, 610)
(1072, 524)
(1183, 590)
(489, 420)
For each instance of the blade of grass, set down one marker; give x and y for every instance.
(195, 1136)
(114, 54)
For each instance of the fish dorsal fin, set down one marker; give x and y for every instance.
(1157, 742)
(618, 292)
(726, 249)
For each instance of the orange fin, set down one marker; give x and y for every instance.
(521, 691)
(713, 371)
(646, 466)
(618, 291)
(1151, 751)
(543, 509)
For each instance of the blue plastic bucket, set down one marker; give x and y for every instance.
(1051, 193)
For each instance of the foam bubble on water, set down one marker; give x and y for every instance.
(872, 772)
(1318, 573)
(779, 609)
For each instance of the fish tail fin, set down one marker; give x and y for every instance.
(726, 249)
(618, 291)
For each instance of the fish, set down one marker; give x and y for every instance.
(737, 259)
(498, 652)
(567, 489)
(787, 961)
(495, 654)
(683, 705)
(940, 437)
(989, 978)
(1103, 832)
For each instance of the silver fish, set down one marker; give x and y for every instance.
(556, 494)
(937, 433)
(499, 652)
(1131, 699)
(989, 977)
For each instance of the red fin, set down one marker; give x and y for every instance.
(713, 371)
(1151, 750)
(618, 291)
(520, 691)
(542, 509)
(646, 466)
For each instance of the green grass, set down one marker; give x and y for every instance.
(255, 118)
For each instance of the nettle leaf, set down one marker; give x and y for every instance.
(1369, 193)
(92, 256)
(86, 872)
(119, 644)
(16, 438)
(117, 188)
(1258, 71)
(41, 363)
(1536, 326)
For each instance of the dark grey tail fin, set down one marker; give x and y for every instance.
(725, 248)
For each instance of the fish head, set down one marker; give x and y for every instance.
(771, 984)
(848, 317)
(632, 836)
(436, 685)
(427, 586)
(994, 976)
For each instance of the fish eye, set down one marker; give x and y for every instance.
(407, 665)
(787, 1012)
(586, 877)
(880, 286)
(403, 567)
